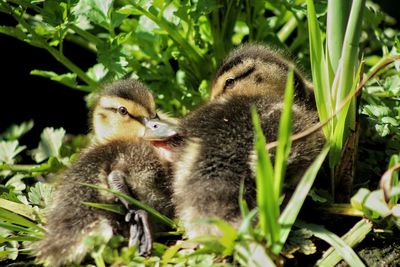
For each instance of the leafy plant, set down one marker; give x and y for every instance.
(174, 47)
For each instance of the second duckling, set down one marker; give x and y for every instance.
(218, 154)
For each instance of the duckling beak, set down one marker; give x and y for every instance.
(157, 130)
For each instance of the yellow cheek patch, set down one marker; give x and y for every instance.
(108, 124)
(218, 87)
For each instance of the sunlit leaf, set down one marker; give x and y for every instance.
(50, 144)
(15, 131)
(8, 151)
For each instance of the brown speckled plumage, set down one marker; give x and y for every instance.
(69, 221)
(218, 148)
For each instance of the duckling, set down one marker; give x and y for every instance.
(217, 153)
(119, 159)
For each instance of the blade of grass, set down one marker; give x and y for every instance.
(14, 218)
(319, 68)
(387, 181)
(353, 237)
(267, 202)
(108, 207)
(340, 127)
(284, 136)
(250, 253)
(350, 50)
(154, 213)
(18, 208)
(295, 203)
(346, 252)
(338, 12)
(16, 228)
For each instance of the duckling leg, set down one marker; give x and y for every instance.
(139, 231)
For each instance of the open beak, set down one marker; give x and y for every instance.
(157, 130)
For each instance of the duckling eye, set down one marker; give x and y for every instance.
(122, 110)
(229, 82)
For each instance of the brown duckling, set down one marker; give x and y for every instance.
(218, 154)
(120, 159)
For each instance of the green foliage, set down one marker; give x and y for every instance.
(174, 47)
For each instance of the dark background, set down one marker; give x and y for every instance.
(24, 96)
(50, 104)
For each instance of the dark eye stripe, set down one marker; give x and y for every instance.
(240, 76)
(246, 73)
(136, 118)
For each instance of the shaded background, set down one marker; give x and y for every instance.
(50, 104)
(24, 96)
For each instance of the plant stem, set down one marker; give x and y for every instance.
(85, 34)
(289, 27)
(54, 52)
(18, 167)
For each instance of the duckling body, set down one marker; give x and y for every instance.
(218, 154)
(120, 158)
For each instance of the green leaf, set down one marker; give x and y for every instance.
(353, 237)
(14, 218)
(15, 131)
(40, 194)
(97, 72)
(16, 182)
(99, 12)
(154, 213)
(371, 203)
(8, 151)
(67, 79)
(109, 207)
(227, 240)
(284, 136)
(250, 253)
(319, 69)
(295, 203)
(50, 144)
(54, 12)
(18, 208)
(267, 201)
(52, 165)
(345, 250)
(299, 240)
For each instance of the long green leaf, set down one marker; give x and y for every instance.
(338, 13)
(14, 218)
(353, 237)
(284, 134)
(18, 208)
(349, 57)
(319, 67)
(154, 213)
(295, 203)
(17, 228)
(108, 207)
(340, 127)
(346, 252)
(267, 201)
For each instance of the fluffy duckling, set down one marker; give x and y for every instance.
(120, 159)
(218, 154)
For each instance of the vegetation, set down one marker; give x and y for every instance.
(174, 47)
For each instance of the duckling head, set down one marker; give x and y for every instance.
(255, 69)
(126, 109)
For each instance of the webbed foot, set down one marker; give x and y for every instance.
(140, 231)
(139, 226)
